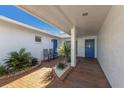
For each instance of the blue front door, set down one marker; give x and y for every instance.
(89, 48)
(55, 48)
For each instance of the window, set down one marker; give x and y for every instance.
(37, 39)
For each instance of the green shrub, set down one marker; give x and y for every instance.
(34, 61)
(3, 70)
(65, 51)
(18, 60)
(61, 65)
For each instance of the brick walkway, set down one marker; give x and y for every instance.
(87, 74)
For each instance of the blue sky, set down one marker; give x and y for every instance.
(19, 15)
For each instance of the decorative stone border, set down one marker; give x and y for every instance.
(65, 74)
(20, 72)
(62, 73)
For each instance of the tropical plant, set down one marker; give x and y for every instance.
(65, 51)
(60, 65)
(3, 70)
(18, 60)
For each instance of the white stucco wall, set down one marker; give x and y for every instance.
(81, 45)
(111, 46)
(13, 37)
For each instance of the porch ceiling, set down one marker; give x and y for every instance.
(65, 16)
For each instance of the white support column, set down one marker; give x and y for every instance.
(73, 46)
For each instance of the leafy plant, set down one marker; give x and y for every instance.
(60, 65)
(34, 61)
(18, 60)
(65, 51)
(3, 70)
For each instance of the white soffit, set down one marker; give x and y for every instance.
(65, 16)
(50, 14)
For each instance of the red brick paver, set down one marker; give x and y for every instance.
(87, 74)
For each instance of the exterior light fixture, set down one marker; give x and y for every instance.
(85, 14)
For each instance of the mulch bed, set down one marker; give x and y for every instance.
(14, 76)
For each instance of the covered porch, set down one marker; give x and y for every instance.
(77, 21)
(103, 25)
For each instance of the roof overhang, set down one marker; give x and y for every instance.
(65, 16)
